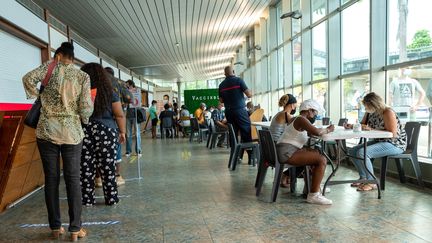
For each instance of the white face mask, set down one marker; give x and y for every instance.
(211, 110)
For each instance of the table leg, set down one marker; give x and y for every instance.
(370, 172)
(338, 144)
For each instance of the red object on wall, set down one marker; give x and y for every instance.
(15, 107)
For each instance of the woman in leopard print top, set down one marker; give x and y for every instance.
(379, 117)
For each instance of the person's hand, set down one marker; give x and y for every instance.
(330, 128)
(122, 138)
(348, 126)
(366, 127)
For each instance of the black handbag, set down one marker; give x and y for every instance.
(32, 117)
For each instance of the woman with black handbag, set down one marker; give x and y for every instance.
(66, 104)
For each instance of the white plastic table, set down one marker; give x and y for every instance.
(340, 134)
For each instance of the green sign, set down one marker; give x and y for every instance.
(193, 98)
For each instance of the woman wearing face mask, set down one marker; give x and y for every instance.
(289, 104)
(290, 147)
(380, 117)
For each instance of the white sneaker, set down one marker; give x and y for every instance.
(139, 154)
(127, 155)
(317, 198)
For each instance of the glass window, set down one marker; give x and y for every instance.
(410, 96)
(274, 106)
(354, 89)
(280, 68)
(265, 103)
(264, 84)
(297, 92)
(409, 30)
(319, 93)
(296, 23)
(344, 1)
(319, 51)
(319, 9)
(297, 61)
(273, 71)
(355, 37)
(279, 23)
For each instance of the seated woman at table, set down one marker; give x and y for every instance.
(380, 117)
(290, 147)
(278, 124)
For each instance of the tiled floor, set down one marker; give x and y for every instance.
(187, 194)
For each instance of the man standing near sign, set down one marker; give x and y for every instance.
(131, 119)
(232, 93)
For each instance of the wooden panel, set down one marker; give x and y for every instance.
(14, 186)
(1, 117)
(24, 154)
(28, 136)
(34, 173)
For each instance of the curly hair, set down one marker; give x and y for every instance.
(100, 81)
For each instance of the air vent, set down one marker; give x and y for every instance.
(57, 24)
(33, 7)
(83, 43)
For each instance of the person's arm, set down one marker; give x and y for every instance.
(422, 95)
(120, 120)
(32, 78)
(85, 102)
(390, 121)
(248, 93)
(302, 124)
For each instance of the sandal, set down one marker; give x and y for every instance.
(357, 184)
(57, 232)
(367, 187)
(79, 234)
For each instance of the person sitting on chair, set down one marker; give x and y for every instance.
(290, 147)
(200, 114)
(378, 116)
(220, 123)
(277, 126)
(167, 113)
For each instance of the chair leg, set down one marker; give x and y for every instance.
(417, 170)
(213, 142)
(262, 171)
(293, 178)
(383, 172)
(235, 158)
(401, 171)
(230, 158)
(308, 180)
(276, 181)
(208, 139)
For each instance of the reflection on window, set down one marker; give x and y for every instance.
(319, 51)
(265, 103)
(297, 61)
(319, 9)
(296, 23)
(410, 31)
(410, 96)
(298, 94)
(274, 106)
(279, 29)
(354, 89)
(355, 37)
(319, 93)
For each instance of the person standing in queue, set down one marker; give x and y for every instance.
(67, 104)
(232, 93)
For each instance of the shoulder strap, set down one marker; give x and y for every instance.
(51, 67)
(286, 118)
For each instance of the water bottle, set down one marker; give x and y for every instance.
(357, 127)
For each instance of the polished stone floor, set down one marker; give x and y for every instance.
(187, 194)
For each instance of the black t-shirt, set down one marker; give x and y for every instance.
(231, 90)
(107, 117)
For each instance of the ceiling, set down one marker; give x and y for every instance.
(163, 39)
